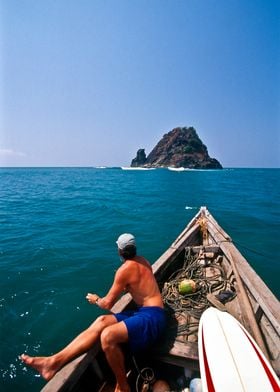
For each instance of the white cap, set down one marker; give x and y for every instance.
(125, 240)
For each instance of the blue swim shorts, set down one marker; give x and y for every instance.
(144, 326)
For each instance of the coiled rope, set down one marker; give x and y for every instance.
(144, 379)
(187, 309)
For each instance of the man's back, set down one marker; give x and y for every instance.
(140, 282)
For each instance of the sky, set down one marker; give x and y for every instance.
(89, 82)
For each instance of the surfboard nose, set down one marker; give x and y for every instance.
(229, 358)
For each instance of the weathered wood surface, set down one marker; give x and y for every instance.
(261, 293)
(73, 371)
(262, 300)
(247, 308)
(180, 354)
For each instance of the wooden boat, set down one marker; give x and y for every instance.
(206, 254)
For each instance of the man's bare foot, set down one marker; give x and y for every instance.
(46, 366)
(123, 388)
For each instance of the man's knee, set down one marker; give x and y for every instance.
(100, 323)
(101, 320)
(107, 338)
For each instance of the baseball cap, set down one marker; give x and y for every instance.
(125, 240)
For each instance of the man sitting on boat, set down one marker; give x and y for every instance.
(139, 328)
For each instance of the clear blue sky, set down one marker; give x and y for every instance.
(88, 82)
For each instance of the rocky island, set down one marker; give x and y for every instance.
(180, 147)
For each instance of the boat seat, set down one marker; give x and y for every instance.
(177, 353)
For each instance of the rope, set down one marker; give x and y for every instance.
(144, 378)
(203, 228)
(187, 309)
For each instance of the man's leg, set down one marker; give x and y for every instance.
(48, 366)
(111, 337)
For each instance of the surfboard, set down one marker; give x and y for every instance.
(230, 359)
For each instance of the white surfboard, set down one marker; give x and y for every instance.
(229, 358)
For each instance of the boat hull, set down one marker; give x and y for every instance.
(204, 242)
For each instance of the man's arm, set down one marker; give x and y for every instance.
(117, 288)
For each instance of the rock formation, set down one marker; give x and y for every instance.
(140, 159)
(180, 147)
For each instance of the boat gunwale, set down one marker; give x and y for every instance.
(260, 291)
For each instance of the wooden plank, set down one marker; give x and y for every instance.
(215, 302)
(208, 248)
(61, 377)
(122, 303)
(71, 372)
(218, 228)
(245, 304)
(179, 349)
(262, 294)
(253, 283)
(180, 354)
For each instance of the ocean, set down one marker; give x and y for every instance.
(58, 232)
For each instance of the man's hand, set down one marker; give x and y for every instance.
(92, 298)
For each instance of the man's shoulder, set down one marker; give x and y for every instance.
(127, 265)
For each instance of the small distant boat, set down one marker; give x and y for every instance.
(205, 254)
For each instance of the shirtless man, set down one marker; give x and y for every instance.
(140, 328)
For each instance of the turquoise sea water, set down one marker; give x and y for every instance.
(58, 233)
